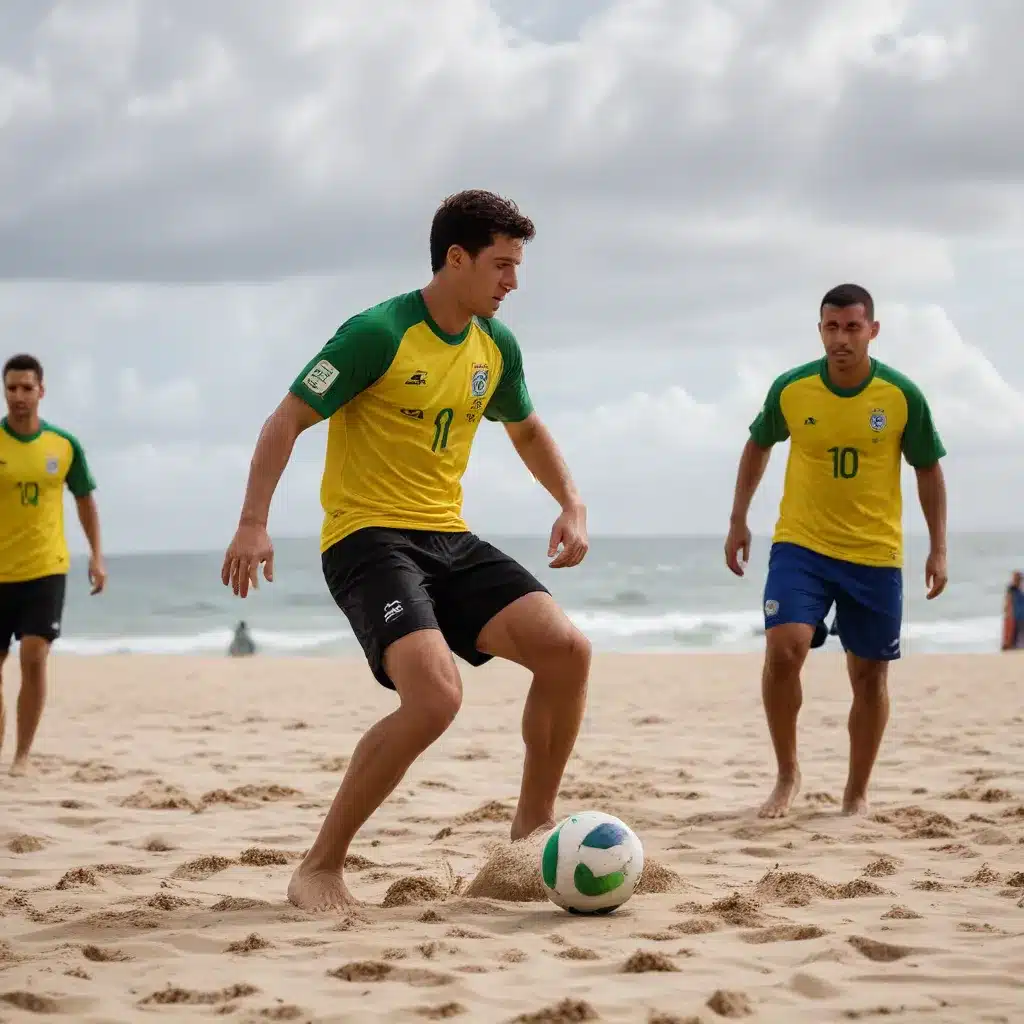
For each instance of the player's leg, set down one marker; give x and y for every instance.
(38, 625)
(491, 606)
(3, 710)
(377, 579)
(870, 617)
(797, 597)
(7, 626)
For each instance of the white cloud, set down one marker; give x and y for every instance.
(194, 196)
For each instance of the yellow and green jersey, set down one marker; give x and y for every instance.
(34, 469)
(842, 494)
(404, 400)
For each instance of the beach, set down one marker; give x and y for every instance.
(143, 868)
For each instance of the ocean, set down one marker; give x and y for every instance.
(630, 594)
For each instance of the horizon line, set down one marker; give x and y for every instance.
(909, 536)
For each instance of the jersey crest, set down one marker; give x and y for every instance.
(877, 420)
(481, 376)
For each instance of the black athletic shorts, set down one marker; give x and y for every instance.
(31, 608)
(390, 583)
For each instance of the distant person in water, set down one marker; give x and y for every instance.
(1013, 615)
(242, 643)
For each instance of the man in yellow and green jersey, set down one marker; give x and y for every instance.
(851, 420)
(37, 461)
(404, 386)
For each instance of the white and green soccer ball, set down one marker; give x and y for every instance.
(590, 863)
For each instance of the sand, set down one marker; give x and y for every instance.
(143, 869)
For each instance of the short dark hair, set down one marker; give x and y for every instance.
(844, 295)
(472, 219)
(22, 362)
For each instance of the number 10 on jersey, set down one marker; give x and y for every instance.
(845, 462)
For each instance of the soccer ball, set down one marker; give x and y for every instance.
(590, 863)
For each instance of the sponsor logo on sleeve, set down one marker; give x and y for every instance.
(321, 377)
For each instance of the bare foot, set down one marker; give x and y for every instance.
(855, 806)
(520, 831)
(783, 795)
(317, 891)
(21, 766)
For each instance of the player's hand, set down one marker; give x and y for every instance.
(249, 549)
(97, 574)
(737, 547)
(936, 575)
(569, 533)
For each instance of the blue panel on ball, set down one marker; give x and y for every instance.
(605, 836)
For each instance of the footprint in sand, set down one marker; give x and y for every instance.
(250, 944)
(901, 913)
(880, 952)
(157, 844)
(445, 1011)
(248, 796)
(29, 1002)
(645, 961)
(96, 771)
(568, 1011)
(369, 971)
(26, 844)
(262, 857)
(172, 996)
(730, 1004)
(97, 955)
(576, 953)
(202, 868)
(784, 933)
(159, 796)
(881, 868)
(77, 878)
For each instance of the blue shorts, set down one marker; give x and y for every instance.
(802, 586)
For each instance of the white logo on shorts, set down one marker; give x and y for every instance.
(321, 377)
(392, 610)
(771, 608)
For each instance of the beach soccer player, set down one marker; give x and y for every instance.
(850, 420)
(405, 386)
(37, 461)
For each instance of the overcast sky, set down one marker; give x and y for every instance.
(194, 195)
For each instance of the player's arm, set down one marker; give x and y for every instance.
(512, 406)
(273, 450)
(536, 446)
(357, 355)
(768, 429)
(82, 486)
(923, 449)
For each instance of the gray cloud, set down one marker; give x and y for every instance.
(194, 196)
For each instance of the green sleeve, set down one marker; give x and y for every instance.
(510, 402)
(79, 477)
(922, 445)
(357, 356)
(769, 426)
